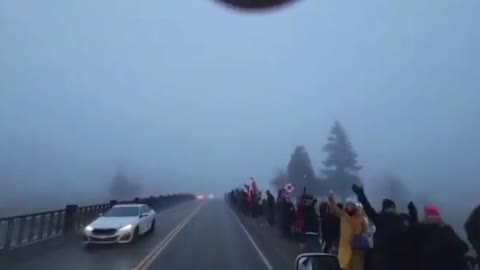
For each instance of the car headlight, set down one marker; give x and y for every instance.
(88, 228)
(129, 227)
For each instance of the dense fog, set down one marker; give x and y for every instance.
(194, 97)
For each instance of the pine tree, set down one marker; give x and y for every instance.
(123, 186)
(341, 162)
(299, 170)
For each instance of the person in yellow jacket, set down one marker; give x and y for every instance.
(352, 223)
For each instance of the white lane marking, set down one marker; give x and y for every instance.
(148, 260)
(260, 253)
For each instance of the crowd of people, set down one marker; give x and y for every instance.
(361, 237)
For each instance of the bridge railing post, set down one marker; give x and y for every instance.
(112, 203)
(69, 221)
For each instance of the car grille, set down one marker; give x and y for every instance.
(108, 239)
(104, 231)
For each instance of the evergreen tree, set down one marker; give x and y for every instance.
(300, 171)
(341, 162)
(124, 187)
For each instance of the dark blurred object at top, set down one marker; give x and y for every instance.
(255, 4)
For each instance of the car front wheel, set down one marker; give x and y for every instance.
(152, 227)
(134, 236)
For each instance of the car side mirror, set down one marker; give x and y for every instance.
(143, 215)
(322, 261)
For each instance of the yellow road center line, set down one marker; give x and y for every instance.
(148, 260)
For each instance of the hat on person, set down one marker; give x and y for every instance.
(309, 197)
(350, 201)
(431, 211)
(387, 203)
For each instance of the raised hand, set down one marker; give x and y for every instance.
(330, 195)
(412, 211)
(357, 189)
(412, 207)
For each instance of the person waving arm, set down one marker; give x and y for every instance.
(334, 207)
(362, 198)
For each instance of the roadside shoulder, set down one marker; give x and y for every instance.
(280, 251)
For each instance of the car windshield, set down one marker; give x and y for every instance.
(124, 211)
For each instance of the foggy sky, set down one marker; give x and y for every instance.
(191, 96)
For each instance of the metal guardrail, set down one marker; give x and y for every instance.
(22, 230)
(87, 214)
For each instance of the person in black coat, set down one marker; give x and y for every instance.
(270, 208)
(391, 246)
(472, 227)
(286, 215)
(311, 226)
(438, 246)
(311, 218)
(330, 227)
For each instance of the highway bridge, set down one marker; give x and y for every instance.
(189, 234)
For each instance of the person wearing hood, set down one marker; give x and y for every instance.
(391, 246)
(352, 226)
(438, 246)
(472, 227)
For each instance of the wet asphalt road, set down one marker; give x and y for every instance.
(192, 235)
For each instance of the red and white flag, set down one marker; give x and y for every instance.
(290, 187)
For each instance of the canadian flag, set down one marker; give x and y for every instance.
(290, 187)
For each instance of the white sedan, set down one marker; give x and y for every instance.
(121, 224)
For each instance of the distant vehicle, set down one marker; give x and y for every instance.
(211, 196)
(121, 224)
(200, 197)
